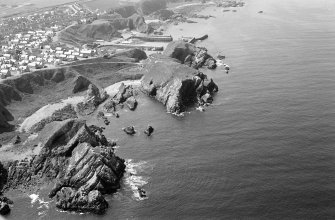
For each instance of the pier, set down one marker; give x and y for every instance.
(131, 46)
(154, 38)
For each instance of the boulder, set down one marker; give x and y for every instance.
(4, 208)
(71, 200)
(131, 102)
(211, 86)
(149, 130)
(207, 98)
(129, 130)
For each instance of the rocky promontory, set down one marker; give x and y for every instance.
(176, 85)
(78, 159)
(190, 55)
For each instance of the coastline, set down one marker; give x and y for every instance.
(111, 90)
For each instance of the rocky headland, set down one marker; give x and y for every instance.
(45, 139)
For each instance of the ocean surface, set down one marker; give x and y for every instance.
(264, 150)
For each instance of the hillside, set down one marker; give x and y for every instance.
(102, 29)
(21, 96)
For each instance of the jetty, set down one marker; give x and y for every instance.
(154, 38)
(132, 46)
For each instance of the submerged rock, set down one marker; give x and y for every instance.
(129, 130)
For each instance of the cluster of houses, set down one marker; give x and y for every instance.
(18, 55)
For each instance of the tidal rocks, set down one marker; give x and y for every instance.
(79, 201)
(80, 161)
(149, 130)
(173, 84)
(131, 102)
(125, 96)
(102, 116)
(191, 55)
(129, 130)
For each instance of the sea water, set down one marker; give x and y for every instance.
(263, 150)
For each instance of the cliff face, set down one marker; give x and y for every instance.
(173, 84)
(78, 159)
(190, 55)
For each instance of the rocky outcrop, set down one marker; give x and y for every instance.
(175, 85)
(93, 99)
(190, 55)
(80, 84)
(125, 96)
(72, 200)
(80, 160)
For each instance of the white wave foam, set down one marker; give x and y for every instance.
(35, 198)
(219, 63)
(133, 180)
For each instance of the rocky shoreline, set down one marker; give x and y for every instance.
(76, 157)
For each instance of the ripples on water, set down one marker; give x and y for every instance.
(265, 148)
